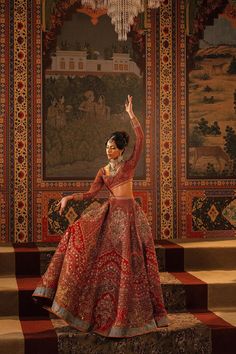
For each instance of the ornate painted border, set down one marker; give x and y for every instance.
(3, 83)
(41, 186)
(20, 122)
(4, 104)
(150, 122)
(11, 123)
(166, 129)
(30, 118)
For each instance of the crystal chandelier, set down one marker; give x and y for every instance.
(122, 12)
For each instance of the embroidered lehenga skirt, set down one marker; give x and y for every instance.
(104, 275)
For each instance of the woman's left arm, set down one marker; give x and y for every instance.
(95, 187)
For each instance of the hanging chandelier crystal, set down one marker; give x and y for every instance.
(122, 12)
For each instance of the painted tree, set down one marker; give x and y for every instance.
(230, 145)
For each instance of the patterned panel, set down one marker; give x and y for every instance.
(20, 122)
(4, 62)
(11, 186)
(213, 213)
(3, 103)
(150, 124)
(3, 218)
(166, 122)
(149, 101)
(208, 213)
(30, 90)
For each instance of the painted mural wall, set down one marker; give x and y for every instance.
(208, 167)
(86, 83)
(63, 88)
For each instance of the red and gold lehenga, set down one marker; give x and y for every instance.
(104, 275)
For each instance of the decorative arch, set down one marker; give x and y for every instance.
(64, 9)
(204, 14)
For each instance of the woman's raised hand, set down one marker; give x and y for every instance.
(62, 204)
(129, 105)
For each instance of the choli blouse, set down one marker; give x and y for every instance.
(125, 173)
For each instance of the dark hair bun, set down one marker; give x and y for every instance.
(125, 137)
(121, 138)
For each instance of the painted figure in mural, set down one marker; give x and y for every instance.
(104, 275)
(101, 109)
(87, 107)
(56, 114)
(52, 113)
(61, 114)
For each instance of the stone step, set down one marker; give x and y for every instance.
(221, 286)
(188, 255)
(7, 260)
(33, 332)
(185, 334)
(26, 259)
(174, 256)
(208, 290)
(195, 291)
(16, 295)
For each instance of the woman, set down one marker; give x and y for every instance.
(104, 274)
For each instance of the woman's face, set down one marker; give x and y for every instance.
(112, 150)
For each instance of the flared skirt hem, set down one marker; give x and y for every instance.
(112, 332)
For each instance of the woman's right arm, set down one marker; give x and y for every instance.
(138, 131)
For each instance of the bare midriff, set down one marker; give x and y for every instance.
(123, 190)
